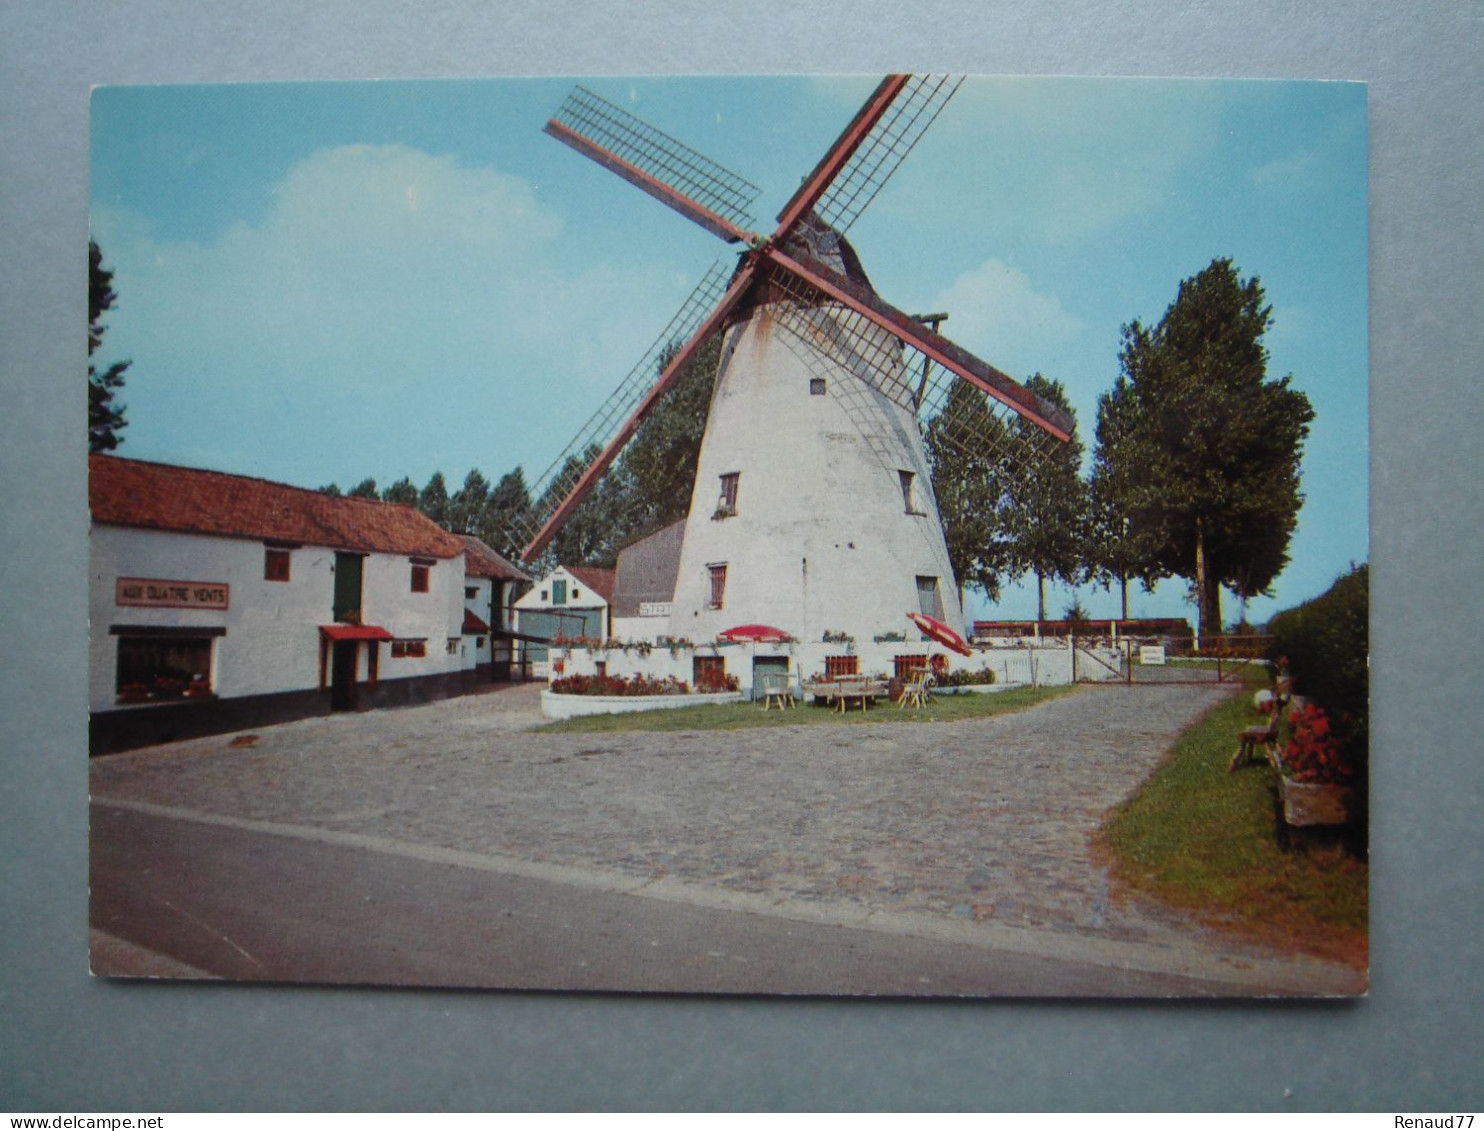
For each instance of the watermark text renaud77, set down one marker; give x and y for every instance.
(1456, 1122)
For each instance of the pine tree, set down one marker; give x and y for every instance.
(433, 501)
(402, 491)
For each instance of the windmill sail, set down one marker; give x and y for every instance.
(836, 315)
(658, 164)
(556, 486)
(884, 148)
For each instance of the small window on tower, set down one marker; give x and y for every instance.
(929, 598)
(718, 584)
(419, 579)
(909, 491)
(816, 386)
(727, 504)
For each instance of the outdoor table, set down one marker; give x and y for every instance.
(841, 691)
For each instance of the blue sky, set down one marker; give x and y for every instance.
(323, 282)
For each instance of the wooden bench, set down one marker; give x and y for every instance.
(1264, 735)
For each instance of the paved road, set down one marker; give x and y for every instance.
(964, 839)
(249, 905)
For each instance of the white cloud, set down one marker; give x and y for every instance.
(996, 312)
(402, 298)
(1057, 160)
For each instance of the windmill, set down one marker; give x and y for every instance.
(813, 506)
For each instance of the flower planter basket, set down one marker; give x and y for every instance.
(1307, 804)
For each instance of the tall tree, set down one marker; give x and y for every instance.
(656, 474)
(433, 501)
(1205, 467)
(1118, 550)
(105, 417)
(365, 489)
(508, 511)
(585, 538)
(467, 506)
(968, 476)
(1045, 511)
(402, 491)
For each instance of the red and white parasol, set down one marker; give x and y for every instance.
(756, 633)
(935, 629)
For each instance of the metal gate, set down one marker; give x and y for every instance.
(1144, 660)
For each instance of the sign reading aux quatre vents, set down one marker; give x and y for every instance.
(157, 594)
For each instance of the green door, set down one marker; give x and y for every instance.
(347, 588)
(763, 666)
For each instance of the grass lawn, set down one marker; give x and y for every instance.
(738, 716)
(1201, 839)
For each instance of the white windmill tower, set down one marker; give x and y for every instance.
(813, 509)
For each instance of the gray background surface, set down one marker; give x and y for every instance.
(71, 1043)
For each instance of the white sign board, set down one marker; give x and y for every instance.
(1151, 654)
(156, 593)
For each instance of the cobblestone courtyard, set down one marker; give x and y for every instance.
(979, 825)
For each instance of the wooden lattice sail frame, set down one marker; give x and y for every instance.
(824, 311)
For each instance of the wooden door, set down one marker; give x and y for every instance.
(347, 607)
(343, 674)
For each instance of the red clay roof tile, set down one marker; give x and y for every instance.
(481, 561)
(158, 496)
(598, 580)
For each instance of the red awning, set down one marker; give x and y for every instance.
(473, 626)
(354, 632)
(757, 633)
(935, 629)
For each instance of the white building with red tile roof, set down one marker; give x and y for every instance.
(222, 601)
(491, 585)
(569, 603)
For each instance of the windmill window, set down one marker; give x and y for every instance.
(816, 386)
(908, 481)
(929, 599)
(718, 584)
(727, 504)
